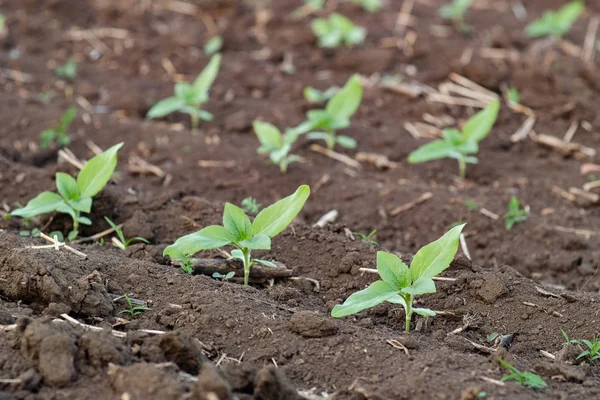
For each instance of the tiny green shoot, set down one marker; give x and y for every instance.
(367, 238)
(471, 205)
(237, 230)
(276, 144)
(223, 277)
(526, 379)
(121, 242)
(555, 23)
(133, 310)
(323, 124)
(490, 339)
(399, 284)
(250, 205)
(513, 95)
(186, 263)
(188, 98)
(67, 71)
(515, 213)
(74, 195)
(319, 96)
(368, 5)
(213, 45)
(592, 347)
(58, 134)
(455, 11)
(2, 25)
(44, 97)
(459, 144)
(336, 30)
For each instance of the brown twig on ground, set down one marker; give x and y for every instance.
(138, 165)
(560, 145)
(396, 344)
(344, 159)
(216, 164)
(328, 218)
(405, 207)
(571, 131)
(379, 161)
(523, 130)
(57, 245)
(96, 236)
(68, 156)
(577, 231)
(589, 44)
(208, 266)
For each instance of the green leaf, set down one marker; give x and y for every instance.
(275, 218)
(392, 270)
(426, 312)
(556, 23)
(117, 230)
(96, 173)
(237, 253)
(43, 203)
(268, 135)
(435, 257)
(265, 263)
(213, 45)
(479, 125)
(420, 286)
(211, 237)
(257, 242)
(183, 90)
(135, 239)
(165, 107)
(206, 78)
(345, 102)
(376, 293)
(346, 142)
(83, 204)
(431, 151)
(67, 186)
(236, 222)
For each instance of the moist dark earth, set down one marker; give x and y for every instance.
(206, 339)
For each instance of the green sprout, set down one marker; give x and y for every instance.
(188, 98)
(67, 71)
(213, 46)
(527, 379)
(459, 144)
(58, 134)
(250, 205)
(2, 24)
(226, 277)
(121, 242)
(515, 214)
(367, 238)
(308, 8)
(336, 30)
(317, 96)
(471, 205)
(237, 230)
(133, 310)
(44, 97)
(592, 353)
(399, 284)
(186, 263)
(455, 11)
(368, 5)
(322, 124)
(513, 95)
(74, 196)
(276, 144)
(556, 23)
(490, 339)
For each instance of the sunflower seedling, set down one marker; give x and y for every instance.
(527, 379)
(276, 144)
(367, 238)
(67, 71)
(237, 230)
(555, 23)
(74, 195)
(121, 242)
(323, 124)
(319, 96)
(400, 284)
(336, 30)
(133, 310)
(213, 46)
(455, 11)
(188, 98)
(459, 144)
(515, 213)
(250, 205)
(223, 277)
(59, 134)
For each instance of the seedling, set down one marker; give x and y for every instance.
(369, 5)
(222, 277)
(133, 310)
(213, 46)
(592, 353)
(455, 11)
(513, 95)
(490, 339)
(367, 238)
(67, 71)
(186, 263)
(188, 98)
(237, 230)
(458, 145)
(471, 205)
(527, 379)
(323, 124)
(59, 134)
(556, 23)
(336, 30)
(33, 233)
(44, 97)
(250, 205)
(74, 196)
(276, 144)
(2, 25)
(317, 96)
(121, 242)
(515, 214)
(399, 284)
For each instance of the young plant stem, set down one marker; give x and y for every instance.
(462, 167)
(408, 299)
(330, 140)
(195, 120)
(247, 265)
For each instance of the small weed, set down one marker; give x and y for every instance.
(527, 379)
(67, 71)
(336, 30)
(121, 242)
(276, 144)
(213, 46)
(250, 205)
(186, 263)
(133, 310)
(222, 277)
(44, 97)
(455, 11)
(59, 134)
(490, 339)
(556, 23)
(367, 238)
(515, 213)
(592, 347)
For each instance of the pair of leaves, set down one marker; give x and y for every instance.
(400, 282)
(457, 144)
(337, 29)
(515, 213)
(527, 379)
(189, 97)
(276, 144)
(237, 228)
(58, 133)
(556, 23)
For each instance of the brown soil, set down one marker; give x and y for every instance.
(282, 333)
